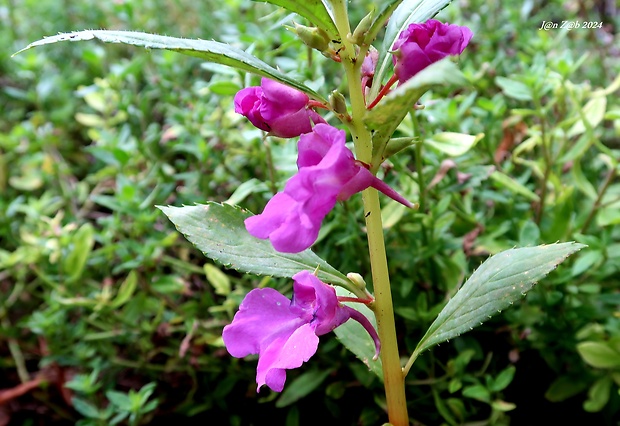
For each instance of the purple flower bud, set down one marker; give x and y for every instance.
(278, 109)
(368, 67)
(284, 333)
(420, 45)
(327, 173)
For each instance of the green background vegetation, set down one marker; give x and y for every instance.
(109, 316)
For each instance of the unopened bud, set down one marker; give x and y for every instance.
(313, 37)
(357, 280)
(337, 102)
(359, 35)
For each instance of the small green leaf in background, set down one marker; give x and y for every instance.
(126, 290)
(83, 242)
(599, 354)
(302, 386)
(593, 112)
(509, 183)
(514, 89)
(453, 144)
(598, 395)
(500, 281)
(503, 379)
(218, 279)
(478, 392)
(565, 387)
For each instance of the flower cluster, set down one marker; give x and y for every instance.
(285, 333)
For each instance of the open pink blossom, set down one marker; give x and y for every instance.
(328, 173)
(278, 109)
(284, 333)
(420, 45)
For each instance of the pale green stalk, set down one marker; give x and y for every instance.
(383, 307)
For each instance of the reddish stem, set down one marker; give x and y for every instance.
(354, 300)
(384, 91)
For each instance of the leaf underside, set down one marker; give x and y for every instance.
(209, 50)
(313, 10)
(219, 232)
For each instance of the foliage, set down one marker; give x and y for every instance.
(118, 319)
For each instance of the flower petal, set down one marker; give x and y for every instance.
(263, 317)
(285, 353)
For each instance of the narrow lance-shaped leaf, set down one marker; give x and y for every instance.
(208, 50)
(219, 232)
(496, 284)
(313, 10)
(409, 11)
(381, 18)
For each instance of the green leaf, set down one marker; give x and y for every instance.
(313, 10)
(384, 118)
(593, 113)
(453, 144)
(409, 11)
(85, 408)
(598, 395)
(478, 392)
(219, 232)
(302, 386)
(503, 379)
(514, 89)
(381, 18)
(599, 354)
(496, 284)
(509, 183)
(119, 399)
(208, 50)
(355, 338)
(126, 290)
(218, 279)
(565, 387)
(83, 242)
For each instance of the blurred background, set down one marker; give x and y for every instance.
(109, 316)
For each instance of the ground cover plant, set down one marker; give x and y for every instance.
(109, 316)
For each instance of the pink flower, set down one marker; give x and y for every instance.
(368, 67)
(420, 45)
(278, 109)
(328, 173)
(284, 333)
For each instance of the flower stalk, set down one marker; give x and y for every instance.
(383, 306)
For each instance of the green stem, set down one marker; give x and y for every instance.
(270, 167)
(547, 159)
(383, 307)
(599, 198)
